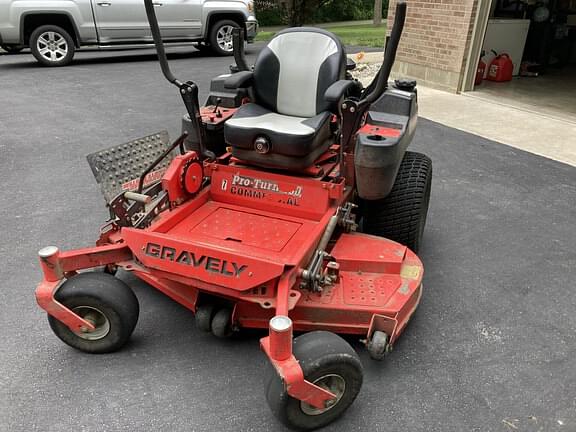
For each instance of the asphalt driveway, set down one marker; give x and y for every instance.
(492, 347)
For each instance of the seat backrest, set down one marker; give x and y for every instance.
(293, 72)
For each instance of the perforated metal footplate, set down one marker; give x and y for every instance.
(248, 229)
(118, 168)
(368, 289)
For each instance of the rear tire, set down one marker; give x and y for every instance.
(327, 360)
(401, 216)
(105, 301)
(52, 45)
(221, 37)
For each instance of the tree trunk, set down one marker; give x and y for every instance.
(377, 12)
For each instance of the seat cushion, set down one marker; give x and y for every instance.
(293, 72)
(288, 136)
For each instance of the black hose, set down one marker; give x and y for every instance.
(153, 21)
(381, 81)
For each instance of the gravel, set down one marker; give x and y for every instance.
(365, 72)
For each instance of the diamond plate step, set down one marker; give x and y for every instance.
(117, 169)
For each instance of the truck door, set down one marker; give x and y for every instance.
(179, 19)
(122, 21)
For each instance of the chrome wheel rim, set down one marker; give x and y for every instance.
(97, 319)
(335, 384)
(52, 46)
(224, 38)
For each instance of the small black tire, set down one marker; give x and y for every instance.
(52, 45)
(109, 303)
(220, 37)
(378, 345)
(203, 317)
(12, 49)
(222, 323)
(401, 216)
(322, 355)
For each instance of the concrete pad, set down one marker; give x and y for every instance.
(515, 123)
(527, 130)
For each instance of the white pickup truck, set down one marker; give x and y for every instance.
(55, 29)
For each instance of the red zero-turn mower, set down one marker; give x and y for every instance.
(249, 220)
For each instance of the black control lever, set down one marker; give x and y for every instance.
(216, 110)
(380, 83)
(238, 49)
(188, 90)
(352, 111)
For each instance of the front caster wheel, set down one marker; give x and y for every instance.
(378, 345)
(106, 302)
(328, 361)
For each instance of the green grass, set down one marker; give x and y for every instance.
(359, 35)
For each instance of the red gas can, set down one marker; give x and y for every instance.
(501, 68)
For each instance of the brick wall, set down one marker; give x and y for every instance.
(435, 41)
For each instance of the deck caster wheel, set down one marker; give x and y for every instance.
(204, 315)
(222, 323)
(108, 303)
(378, 345)
(328, 361)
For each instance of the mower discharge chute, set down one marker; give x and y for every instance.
(270, 211)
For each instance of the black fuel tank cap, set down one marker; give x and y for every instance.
(406, 84)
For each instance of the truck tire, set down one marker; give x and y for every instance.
(220, 37)
(52, 45)
(401, 216)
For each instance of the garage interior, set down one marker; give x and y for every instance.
(540, 38)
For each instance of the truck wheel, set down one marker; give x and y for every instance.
(221, 37)
(401, 216)
(328, 361)
(106, 302)
(52, 45)
(12, 49)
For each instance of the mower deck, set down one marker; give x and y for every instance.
(240, 252)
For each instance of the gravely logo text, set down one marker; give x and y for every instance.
(208, 263)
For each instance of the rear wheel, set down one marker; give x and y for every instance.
(52, 45)
(107, 303)
(221, 37)
(401, 216)
(328, 361)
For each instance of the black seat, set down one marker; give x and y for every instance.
(298, 80)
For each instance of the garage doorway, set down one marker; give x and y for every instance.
(540, 38)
